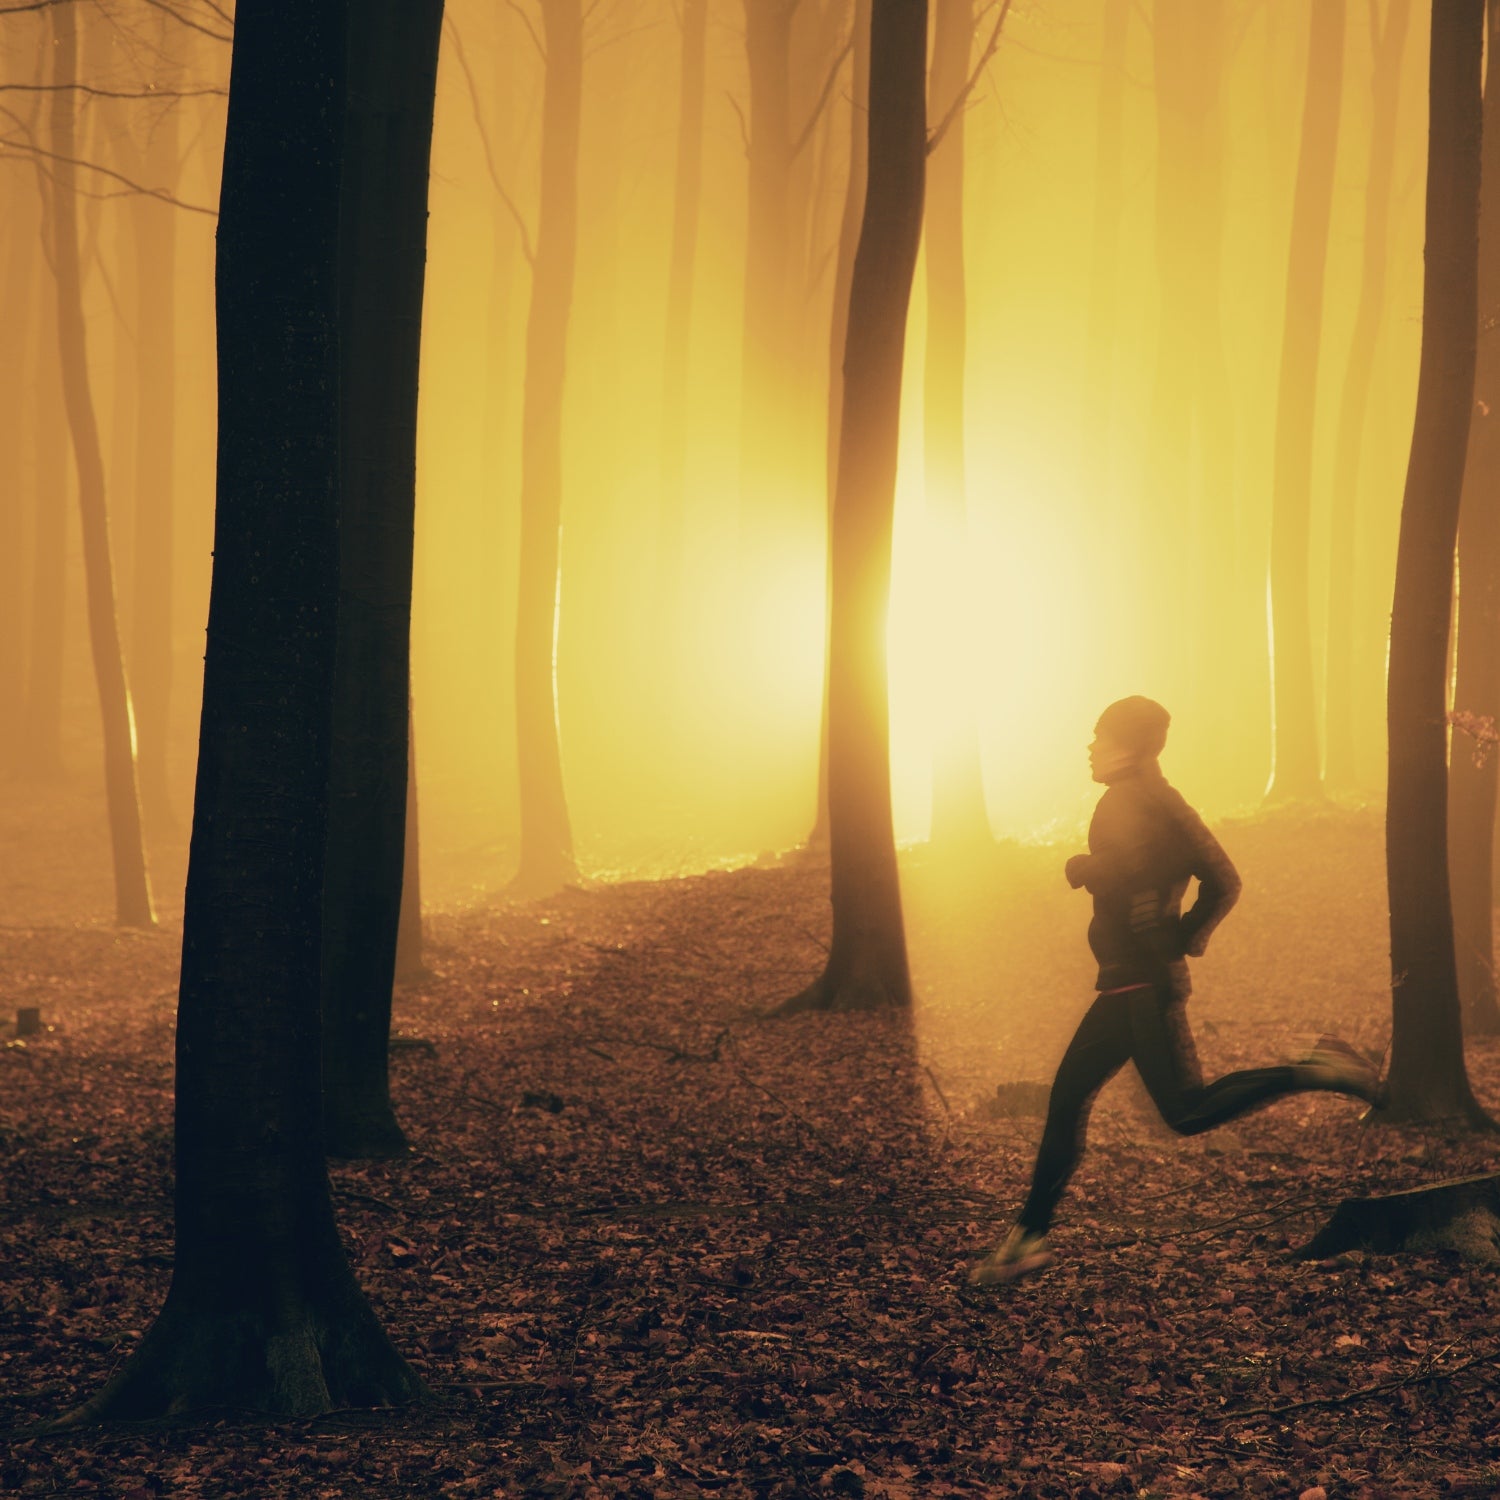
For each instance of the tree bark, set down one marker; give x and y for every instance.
(1472, 776)
(1340, 694)
(132, 888)
(392, 62)
(1428, 1080)
(263, 1311)
(547, 861)
(849, 222)
(867, 965)
(958, 811)
(1296, 772)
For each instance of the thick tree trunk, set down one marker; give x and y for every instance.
(1340, 694)
(692, 75)
(1428, 1080)
(155, 228)
(958, 811)
(867, 967)
(132, 889)
(263, 1310)
(843, 273)
(1296, 772)
(1472, 779)
(547, 861)
(392, 64)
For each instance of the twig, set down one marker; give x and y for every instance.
(822, 100)
(935, 139)
(484, 139)
(1422, 1374)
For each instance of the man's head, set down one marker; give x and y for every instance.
(1129, 732)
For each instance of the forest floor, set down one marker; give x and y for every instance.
(649, 1244)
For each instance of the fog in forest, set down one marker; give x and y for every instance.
(1127, 202)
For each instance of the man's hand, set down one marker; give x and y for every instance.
(1075, 868)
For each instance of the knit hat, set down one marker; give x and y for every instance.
(1138, 724)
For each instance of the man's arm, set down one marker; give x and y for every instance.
(1218, 885)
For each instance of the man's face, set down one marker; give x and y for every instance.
(1108, 758)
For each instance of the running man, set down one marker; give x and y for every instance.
(1145, 844)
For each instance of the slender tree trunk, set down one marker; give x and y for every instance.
(18, 235)
(1109, 206)
(958, 811)
(41, 716)
(680, 275)
(547, 861)
(1471, 779)
(1428, 1080)
(765, 373)
(155, 228)
(1296, 772)
(392, 62)
(1340, 690)
(409, 955)
(263, 1311)
(849, 222)
(132, 889)
(867, 966)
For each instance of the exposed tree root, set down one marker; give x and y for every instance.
(301, 1361)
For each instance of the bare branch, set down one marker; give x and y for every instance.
(182, 20)
(161, 194)
(823, 95)
(935, 139)
(89, 89)
(541, 50)
(484, 138)
(734, 104)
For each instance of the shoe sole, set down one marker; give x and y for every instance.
(986, 1274)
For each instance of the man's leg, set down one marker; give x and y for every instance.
(1167, 1060)
(1101, 1046)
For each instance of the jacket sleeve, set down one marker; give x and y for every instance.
(1218, 884)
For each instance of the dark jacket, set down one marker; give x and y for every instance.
(1145, 844)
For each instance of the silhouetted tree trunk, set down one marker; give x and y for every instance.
(547, 861)
(392, 65)
(132, 890)
(958, 812)
(1296, 772)
(849, 222)
(867, 965)
(680, 275)
(409, 955)
(1427, 1079)
(1340, 696)
(150, 654)
(1471, 780)
(263, 1310)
